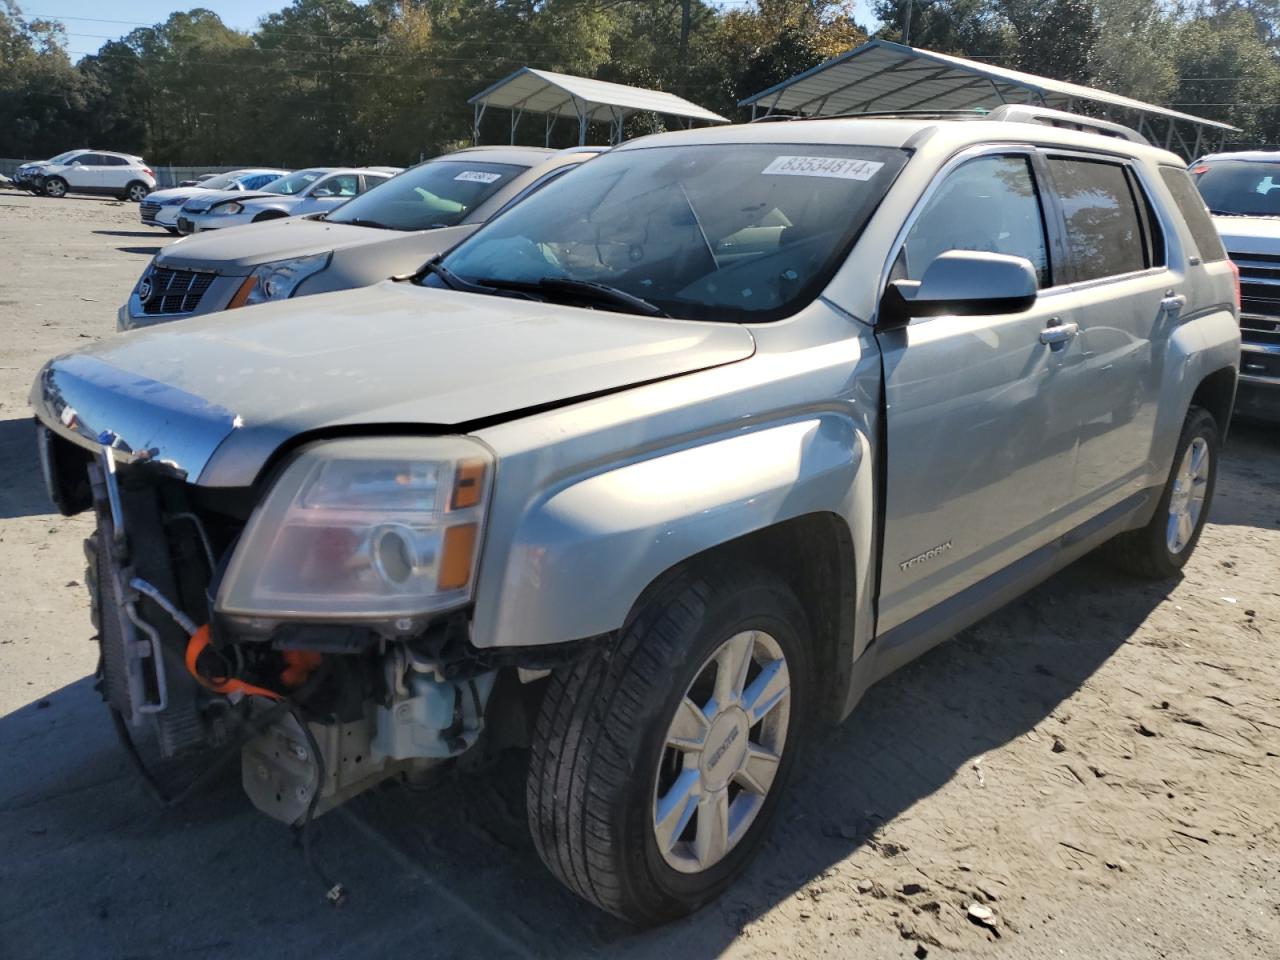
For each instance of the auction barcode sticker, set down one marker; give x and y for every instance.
(841, 167)
(477, 176)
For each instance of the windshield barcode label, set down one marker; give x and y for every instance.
(477, 176)
(841, 167)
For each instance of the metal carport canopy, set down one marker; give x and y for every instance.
(884, 76)
(559, 95)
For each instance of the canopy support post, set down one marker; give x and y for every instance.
(475, 123)
(516, 114)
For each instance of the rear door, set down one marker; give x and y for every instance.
(117, 173)
(1125, 302)
(979, 446)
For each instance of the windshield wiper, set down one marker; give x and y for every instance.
(455, 282)
(358, 222)
(604, 293)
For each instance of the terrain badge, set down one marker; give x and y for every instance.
(923, 557)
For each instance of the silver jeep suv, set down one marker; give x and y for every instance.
(654, 472)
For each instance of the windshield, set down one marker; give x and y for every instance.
(743, 232)
(222, 181)
(436, 194)
(63, 157)
(1242, 188)
(292, 183)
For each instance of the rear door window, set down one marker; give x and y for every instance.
(1105, 230)
(1192, 207)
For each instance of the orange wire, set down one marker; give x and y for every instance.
(199, 641)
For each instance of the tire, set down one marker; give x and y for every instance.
(268, 215)
(55, 187)
(174, 230)
(601, 767)
(136, 192)
(1157, 551)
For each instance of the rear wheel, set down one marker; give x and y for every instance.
(137, 192)
(1162, 548)
(55, 187)
(658, 764)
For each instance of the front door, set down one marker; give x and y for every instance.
(329, 193)
(979, 449)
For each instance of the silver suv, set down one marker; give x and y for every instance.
(1242, 191)
(653, 472)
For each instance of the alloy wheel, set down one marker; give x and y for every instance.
(1187, 501)
(55, 188)
(138, 193)
(722, 751)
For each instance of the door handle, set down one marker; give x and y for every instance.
(1173, 302)
(1059, 333)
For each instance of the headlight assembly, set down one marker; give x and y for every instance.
(227, 209)
(279, 280)
(364, 530)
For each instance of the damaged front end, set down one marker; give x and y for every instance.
(317, 625)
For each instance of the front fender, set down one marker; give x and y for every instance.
(582, 554)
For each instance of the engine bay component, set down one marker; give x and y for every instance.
(426, 720)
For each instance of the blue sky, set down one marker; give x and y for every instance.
(90, 22)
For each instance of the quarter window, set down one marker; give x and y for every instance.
(989, 204)
(1105, 235)
(1192, 207)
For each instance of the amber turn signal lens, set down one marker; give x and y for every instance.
(468, 484)
(242, 294)
(455, 556)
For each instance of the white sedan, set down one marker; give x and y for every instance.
(160, 209)
(314, 190)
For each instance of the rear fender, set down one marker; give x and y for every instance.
(1197, 349)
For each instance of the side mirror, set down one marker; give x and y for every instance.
(962, 283)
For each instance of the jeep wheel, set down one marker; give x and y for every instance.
(137, 192)
(1162, 548)
(55, 187)
(657, 764)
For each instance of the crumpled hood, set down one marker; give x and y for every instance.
(1249, 234)
(180, 193)
(235, 251)
(215, 396)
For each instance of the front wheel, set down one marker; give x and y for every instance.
(657, 764)
(55, 187)
(1162, 548)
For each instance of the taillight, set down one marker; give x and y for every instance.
(148, 171)
(1235, 279)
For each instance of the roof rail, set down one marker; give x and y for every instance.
(975, 113)
(1022, 113)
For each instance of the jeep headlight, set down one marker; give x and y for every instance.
(372, 529)
(279, 280)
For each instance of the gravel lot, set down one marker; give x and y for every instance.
(1099, 764)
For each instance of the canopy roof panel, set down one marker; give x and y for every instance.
(562, 95)
(884, 76)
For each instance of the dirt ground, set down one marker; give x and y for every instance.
(1099, 764)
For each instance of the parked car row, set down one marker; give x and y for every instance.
(160, 209)
(391, 230)
(651, 459)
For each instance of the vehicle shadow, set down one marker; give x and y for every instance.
(22, 492)
(454, 866)
(145, 234)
